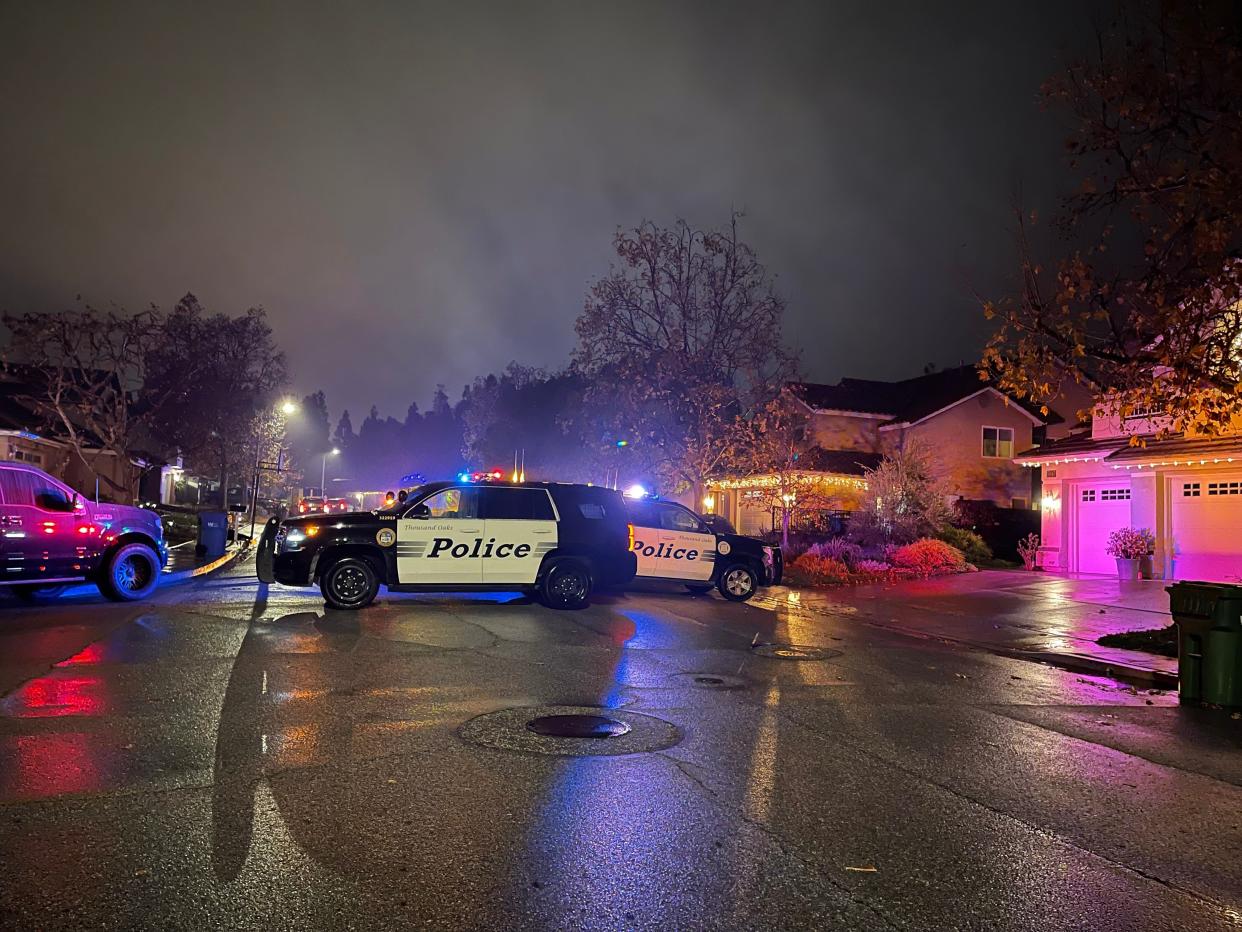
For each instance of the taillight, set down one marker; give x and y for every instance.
(630, 529)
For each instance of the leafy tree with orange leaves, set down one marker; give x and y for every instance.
(1142, 306)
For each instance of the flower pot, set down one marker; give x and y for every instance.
(1147, 566)
(1127, 569)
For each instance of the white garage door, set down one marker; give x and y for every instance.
(1207, 528)
(1100, 508)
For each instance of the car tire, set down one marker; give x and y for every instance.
(131, 573)
(349, 584)
(566, 584)
(699, 588)
(738, 582)
(37, 593)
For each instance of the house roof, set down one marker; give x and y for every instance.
(906, 401)
(1119, 452)
(1076, 446)
(1178, 450)
(841, 462)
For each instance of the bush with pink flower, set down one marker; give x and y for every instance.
(1129, 543)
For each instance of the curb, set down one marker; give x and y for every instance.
(172, 579)
(1076, 663)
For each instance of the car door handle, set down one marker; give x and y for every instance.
(541, 532)
(469, 530)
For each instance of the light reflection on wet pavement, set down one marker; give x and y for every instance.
(233, 756)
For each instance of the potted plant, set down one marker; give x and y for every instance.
(1129, 545)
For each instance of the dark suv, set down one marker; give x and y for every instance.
(673, 543)
(50, 538)
(554, 539)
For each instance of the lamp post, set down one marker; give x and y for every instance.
(283, 410)
(323, 472)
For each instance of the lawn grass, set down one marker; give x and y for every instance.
(1162, 641)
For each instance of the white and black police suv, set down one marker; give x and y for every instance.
(556, 540)
(674, 544)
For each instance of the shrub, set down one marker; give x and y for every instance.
(928, 556)
(974, 548)
(905, 497)
(1028, 550)
(820, 571)
(872, 570)
(837, 548)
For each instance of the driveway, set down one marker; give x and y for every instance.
(1039, 614)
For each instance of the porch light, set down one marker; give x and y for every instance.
(709, 502)
(1049, 502)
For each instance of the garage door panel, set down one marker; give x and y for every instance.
(1100, 508)
(1207, 528)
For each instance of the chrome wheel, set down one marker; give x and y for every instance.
(133, 574)
(738, 583)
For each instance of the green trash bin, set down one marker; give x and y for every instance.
(1209, 642)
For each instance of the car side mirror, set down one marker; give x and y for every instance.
(420, 511)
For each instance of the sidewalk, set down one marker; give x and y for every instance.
(185, 563)
(1034, 616)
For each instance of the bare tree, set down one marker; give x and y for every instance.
(679, 340)
(772, 456)
(905, 498)
(84, 372)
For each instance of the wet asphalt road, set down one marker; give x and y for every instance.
(228, 757)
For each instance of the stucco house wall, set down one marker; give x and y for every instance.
(955, 436)
(847, 432)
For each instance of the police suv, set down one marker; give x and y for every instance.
(673, 543)
(557, 540)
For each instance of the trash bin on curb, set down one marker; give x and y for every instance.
(1209, 642)
(213, 529)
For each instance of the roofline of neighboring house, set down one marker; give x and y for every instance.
(840, 412)
(1009, 403)
(31, 435)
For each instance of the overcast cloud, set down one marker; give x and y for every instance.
(420, 193)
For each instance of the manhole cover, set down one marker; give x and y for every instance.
(578, 731)
(577, 726)
(712, 681)
(796, 652)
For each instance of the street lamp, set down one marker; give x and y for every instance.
(323, 472)
(287, 407)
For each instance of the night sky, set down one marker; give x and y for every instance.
(420, 193)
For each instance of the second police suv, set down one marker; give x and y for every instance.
(556, 540)
(674, 544)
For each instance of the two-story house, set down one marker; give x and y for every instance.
(973, 429)
(1187, 491)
